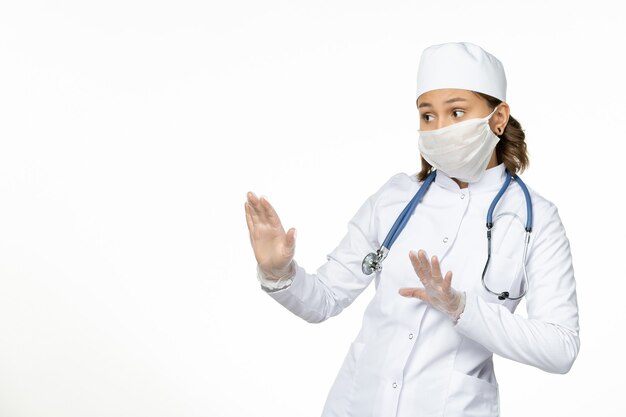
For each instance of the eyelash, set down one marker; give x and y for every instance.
(455, 110)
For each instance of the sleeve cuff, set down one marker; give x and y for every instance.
(464, 322)
(272, 285)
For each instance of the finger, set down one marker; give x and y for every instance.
(252, 199)
(421, 269)
(425, 267)
(253, 204)
(258, 209)
(436, 269)
(262, 209)
(414, 261)
(413, 293)
(448, 280)
(423, 259)
(249, 221)
(270, 213)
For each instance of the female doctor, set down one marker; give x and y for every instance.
(447, 284)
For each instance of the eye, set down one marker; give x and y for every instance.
(424, 116)
(459, 111)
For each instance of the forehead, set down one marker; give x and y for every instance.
(440, 96)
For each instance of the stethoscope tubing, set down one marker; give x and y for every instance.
(402, 220)
(373, 261)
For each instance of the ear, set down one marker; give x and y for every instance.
(500, 118)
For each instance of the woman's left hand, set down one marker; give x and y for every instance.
(437, 291)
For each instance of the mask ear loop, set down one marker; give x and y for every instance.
(492, 113)
(489, 118)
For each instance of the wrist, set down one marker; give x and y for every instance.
(280, 274)
(456, 313)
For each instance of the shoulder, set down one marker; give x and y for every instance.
(544, 210)
(399, 188)
(400, 182)
(393, 187)
(540, 202)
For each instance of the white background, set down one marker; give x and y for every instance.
(130, 132)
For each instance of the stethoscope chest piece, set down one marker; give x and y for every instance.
(373, 261)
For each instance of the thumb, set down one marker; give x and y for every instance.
(413, 292)
(291, 238)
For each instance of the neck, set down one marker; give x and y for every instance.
(492, 163)
(461, 183)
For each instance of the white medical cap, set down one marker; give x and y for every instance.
(460, 65)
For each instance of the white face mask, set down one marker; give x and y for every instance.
(461, 150)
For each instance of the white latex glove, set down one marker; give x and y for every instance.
(273, 248)
(437, 291)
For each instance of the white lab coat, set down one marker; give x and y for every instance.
(409, 359)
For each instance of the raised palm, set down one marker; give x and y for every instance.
(273, 248)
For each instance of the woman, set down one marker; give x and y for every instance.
(427, 340)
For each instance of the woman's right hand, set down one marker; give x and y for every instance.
(273, 248)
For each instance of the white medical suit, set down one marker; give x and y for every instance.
(410, 359)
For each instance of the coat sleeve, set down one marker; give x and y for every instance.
(548, 339)
(336, 284)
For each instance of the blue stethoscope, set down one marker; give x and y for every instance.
(373, 261)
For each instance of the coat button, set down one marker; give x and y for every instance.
(445, 239)
(394, 385)
(410, 335)
(462, 196)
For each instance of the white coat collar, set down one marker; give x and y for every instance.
(492, 179)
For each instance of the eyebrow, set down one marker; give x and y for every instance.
(452, 100)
